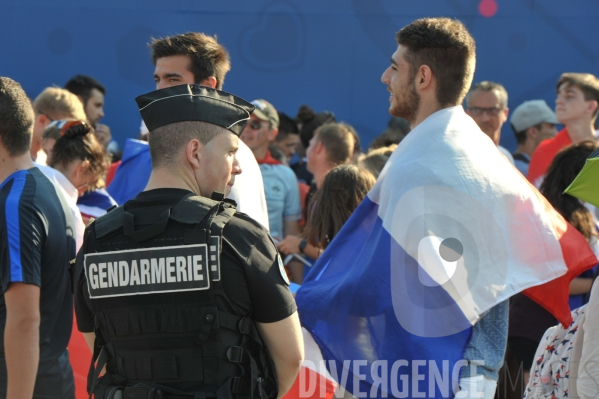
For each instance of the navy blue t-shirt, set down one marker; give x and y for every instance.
(37, 241)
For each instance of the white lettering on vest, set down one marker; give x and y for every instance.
(124, 273)
(93, 277)
(170, 269)
(157, 270)
(181, 265)
(145, 271)
(113, 274)
(102, 275)
(197, 268)
(134, 274)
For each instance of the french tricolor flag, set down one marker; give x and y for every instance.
(450, 230)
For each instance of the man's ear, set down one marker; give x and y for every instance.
(273, 135)
(424, 77)
(593, 106)
(43, 120)
(319, 148)
(532, 133)
(210, 81)
(194, 151)
(82, 168)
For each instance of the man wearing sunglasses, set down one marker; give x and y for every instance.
(280, 183)
(487, 104)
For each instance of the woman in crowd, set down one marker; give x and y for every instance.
(77, 155)
(376, 158)
(343, 189)
(528, 320)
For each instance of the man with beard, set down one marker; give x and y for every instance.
(428, 84)
(423, 267)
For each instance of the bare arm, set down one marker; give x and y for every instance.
(291, 227)
(21, 338)
(290, 245)
(90, 338)
(580, 285)
(286, 347)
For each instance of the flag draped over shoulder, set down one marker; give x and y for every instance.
(449, 230)
(133, 173)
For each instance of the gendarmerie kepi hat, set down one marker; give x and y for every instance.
(194, 103)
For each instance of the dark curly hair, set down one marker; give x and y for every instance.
(208, 57)
(311, 121)
(76, 141)
(566, 165)
(446, 46)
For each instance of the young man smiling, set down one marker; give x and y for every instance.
(576, 107)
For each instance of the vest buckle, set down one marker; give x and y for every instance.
(235, 354)
(245, 325)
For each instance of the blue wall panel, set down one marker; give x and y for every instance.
(328, 54)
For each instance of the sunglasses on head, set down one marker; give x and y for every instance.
(65, 125)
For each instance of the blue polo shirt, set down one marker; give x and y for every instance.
(282, 197)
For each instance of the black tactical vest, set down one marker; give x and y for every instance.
(166, 319)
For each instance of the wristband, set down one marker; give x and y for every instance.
(302, 245)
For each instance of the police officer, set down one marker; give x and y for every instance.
(182, 296)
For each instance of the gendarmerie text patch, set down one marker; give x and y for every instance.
(148, 271)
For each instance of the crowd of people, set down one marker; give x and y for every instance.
(299, 177)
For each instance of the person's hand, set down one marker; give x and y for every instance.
(290, 245)
(103, 134)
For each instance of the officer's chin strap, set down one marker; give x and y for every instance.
(216, 196)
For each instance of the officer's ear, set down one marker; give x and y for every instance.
(194, 152)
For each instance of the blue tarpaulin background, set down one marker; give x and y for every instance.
(328, 54)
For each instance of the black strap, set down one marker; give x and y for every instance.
(521, 157)
(94, 373)
(192, 209)
(177, 365)
(109, 222)
(147, 232)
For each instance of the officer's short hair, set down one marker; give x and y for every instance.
(16, 117)
(166, 141)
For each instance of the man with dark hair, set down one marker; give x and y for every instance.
(532, 122)
(206, 299)
(91, 93)
(288, 137)
(196, 58)
(576, 107)
(487, 104)
(190, 57)
(36, 229)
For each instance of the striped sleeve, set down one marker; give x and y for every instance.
(24, 234)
